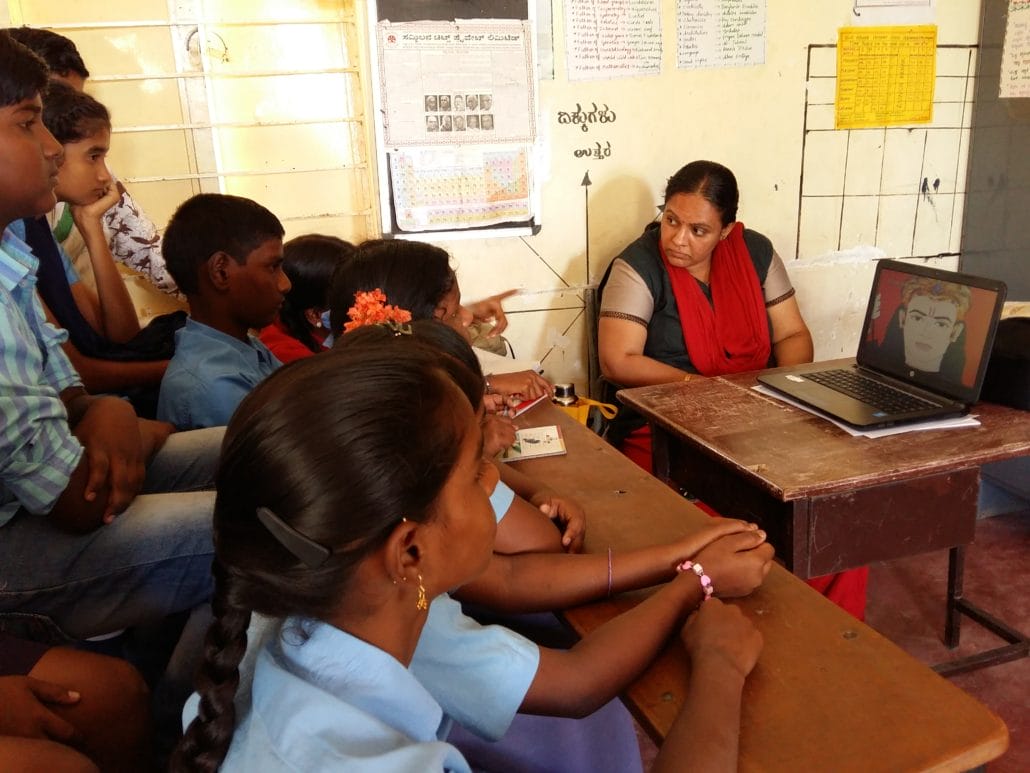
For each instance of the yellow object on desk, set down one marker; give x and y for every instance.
(580, 410)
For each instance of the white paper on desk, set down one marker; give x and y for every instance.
(952, 423)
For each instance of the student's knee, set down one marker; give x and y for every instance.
(37, 755)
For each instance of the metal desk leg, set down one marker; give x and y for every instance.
(1018, 643)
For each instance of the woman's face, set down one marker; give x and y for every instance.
(463, 526)
(691, 228)
(450, 311)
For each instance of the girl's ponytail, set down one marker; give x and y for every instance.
(207, 739)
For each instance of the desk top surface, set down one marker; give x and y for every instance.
(794, 454)
(829, 693)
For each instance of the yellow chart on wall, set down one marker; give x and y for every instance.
(885, 75)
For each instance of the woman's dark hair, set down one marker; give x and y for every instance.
(23, 74)
(414, 276)
(214, 222)
(310, 262)
(392, 420)
(59, 53)
(72, 115)
(712, 181)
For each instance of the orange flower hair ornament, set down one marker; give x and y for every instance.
(371, 308)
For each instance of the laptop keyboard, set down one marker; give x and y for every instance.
(872, 392)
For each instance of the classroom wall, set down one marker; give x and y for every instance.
(772, 124)
(753, 120)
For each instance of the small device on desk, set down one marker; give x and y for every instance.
(923, 353)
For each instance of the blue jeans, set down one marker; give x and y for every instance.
(152, 561)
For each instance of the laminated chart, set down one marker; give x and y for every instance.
(885, 76)
(439, 189)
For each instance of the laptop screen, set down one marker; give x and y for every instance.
(930, 327)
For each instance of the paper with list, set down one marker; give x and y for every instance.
(885, 75)
(614, 39)
(1015, 53)
(720, 33)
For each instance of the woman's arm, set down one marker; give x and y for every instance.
(578, 681)
(791, 339)
(723, 647)
(110, 310)
(620, 348)
(537, 582)
(558, 511)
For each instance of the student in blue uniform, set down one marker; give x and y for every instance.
(351, 536)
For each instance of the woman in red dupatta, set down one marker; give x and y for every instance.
(700, 294)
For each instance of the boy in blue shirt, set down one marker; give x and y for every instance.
(105, 518)
(226, 254)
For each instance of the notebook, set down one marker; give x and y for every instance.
(533, 442)
(923, 352)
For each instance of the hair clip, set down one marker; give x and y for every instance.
(312, 554)
(371, 308)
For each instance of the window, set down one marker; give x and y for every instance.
(254, 98)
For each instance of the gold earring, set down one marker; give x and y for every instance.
(421, 604)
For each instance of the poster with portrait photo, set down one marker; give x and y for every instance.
(435, 68)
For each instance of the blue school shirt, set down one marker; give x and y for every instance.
(38, 452)
(325, 700)
(320, 699)
(209, 375)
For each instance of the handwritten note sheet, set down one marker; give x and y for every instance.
(885, 75)
(1015, 54)
(614, 39)
(720, 33)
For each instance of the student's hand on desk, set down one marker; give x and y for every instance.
(490, 310)
(527, 383)
(692, 544)
(718, 636)
(569, 516)
(25, 713)
(498, 434)
(737, 563)
(110, 433)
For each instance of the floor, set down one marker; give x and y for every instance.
(906, 604)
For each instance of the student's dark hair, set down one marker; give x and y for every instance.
(23, 74)
(310, 262)
(414, 276)
(214, 222)
(391, 425)
(431, 333)
(59, 53)
(710, 180)
(72, 115)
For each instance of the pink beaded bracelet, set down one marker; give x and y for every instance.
(706, 581)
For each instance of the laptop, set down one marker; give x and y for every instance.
(923, 352)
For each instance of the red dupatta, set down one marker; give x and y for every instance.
(730, 334)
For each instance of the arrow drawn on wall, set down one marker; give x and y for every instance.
(586, 217)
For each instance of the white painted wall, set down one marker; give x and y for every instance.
(750, 119)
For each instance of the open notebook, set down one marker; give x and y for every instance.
(923, 352)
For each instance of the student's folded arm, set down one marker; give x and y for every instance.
(791, 339)
(525, 529)
(620, 348)
(578, 681)
(111, 301)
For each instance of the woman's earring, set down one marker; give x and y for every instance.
(421, 604)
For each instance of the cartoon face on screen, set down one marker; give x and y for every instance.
(931, 320)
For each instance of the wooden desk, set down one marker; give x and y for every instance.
(829, 693)
(830, 501)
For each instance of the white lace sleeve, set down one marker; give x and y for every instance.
(134, 241)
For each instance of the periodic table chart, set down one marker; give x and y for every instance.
(440, 189)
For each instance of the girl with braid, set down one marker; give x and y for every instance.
(349, 537)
